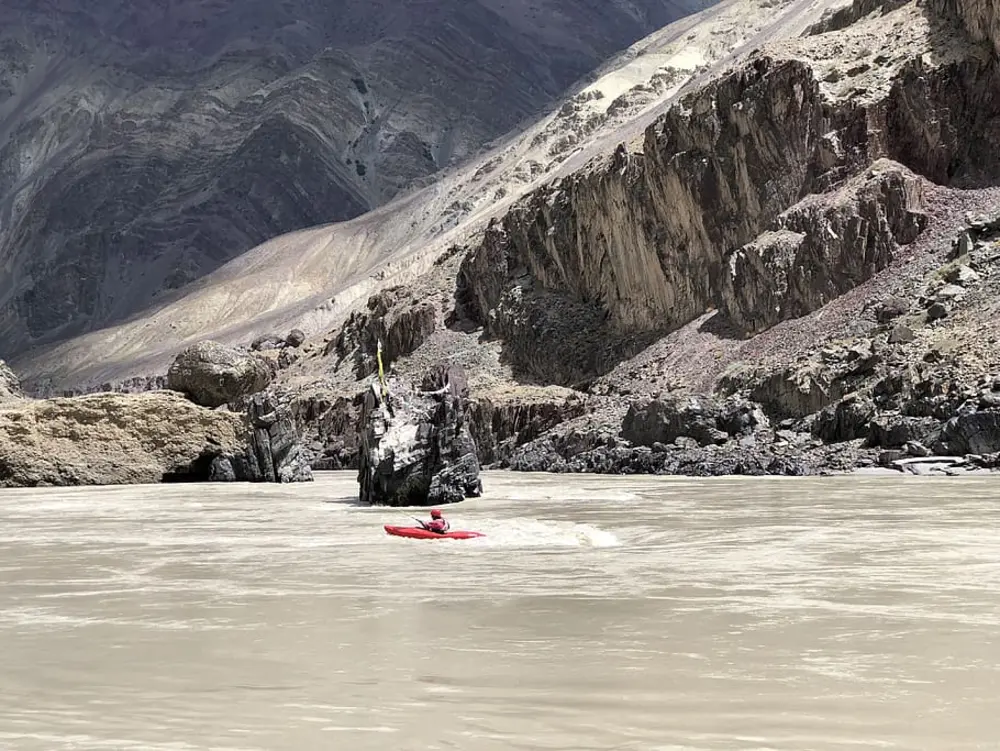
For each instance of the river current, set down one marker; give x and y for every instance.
(598, 613)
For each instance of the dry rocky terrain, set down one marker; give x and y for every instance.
(785, 259)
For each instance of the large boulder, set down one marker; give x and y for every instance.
(212, 374)
(894, 431)
(416, 448)
(847, 420)
(974, 433)
(113, 439)
(704, 419)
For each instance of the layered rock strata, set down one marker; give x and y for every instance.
(760, 174)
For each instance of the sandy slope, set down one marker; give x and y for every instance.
(312, 278)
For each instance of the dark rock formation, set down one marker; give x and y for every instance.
(973, 433)
(847, 420)
(267, 342)
(891, 309)
(500, 423)
(274, 452)
(822, 247)
(397, 317)
(812, 383)
(841, 18)
(328, 424)
(901, 335)
(295, 338)
(592, 453)
(416, 448)
(706, 420)
(895, 431)
(212, 374)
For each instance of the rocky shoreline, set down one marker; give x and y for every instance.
(177, 435)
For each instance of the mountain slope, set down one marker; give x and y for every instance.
(783, 259)
(143, 145)
(313, 277)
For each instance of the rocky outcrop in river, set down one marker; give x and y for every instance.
(416, 448)
(156, 436)
(113, 439)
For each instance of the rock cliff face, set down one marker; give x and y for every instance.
(500, 423)
(111, 439)
(144, 144)
(980, 18)
(643, 242)
(416, 448)
(822, 247)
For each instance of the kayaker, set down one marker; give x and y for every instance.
(437, 523)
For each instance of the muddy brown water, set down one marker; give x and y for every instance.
(598, 613)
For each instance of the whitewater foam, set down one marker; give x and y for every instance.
(531, 533)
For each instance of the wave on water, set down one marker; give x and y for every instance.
(521, 532)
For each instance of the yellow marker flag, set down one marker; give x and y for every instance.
(381, 372)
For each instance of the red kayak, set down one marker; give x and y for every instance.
(419, 533)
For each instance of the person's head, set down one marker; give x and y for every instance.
(435, 513)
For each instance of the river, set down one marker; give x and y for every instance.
(597, 613)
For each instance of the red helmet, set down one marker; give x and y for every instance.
(435, 513)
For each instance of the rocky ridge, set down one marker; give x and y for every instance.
(781, 189)
(793, 271)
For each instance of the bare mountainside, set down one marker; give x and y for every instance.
(776, 249)
(313, 278)
(143, 145)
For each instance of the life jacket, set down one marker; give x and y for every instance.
(438, 525)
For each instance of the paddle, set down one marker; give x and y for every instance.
(418, 521)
